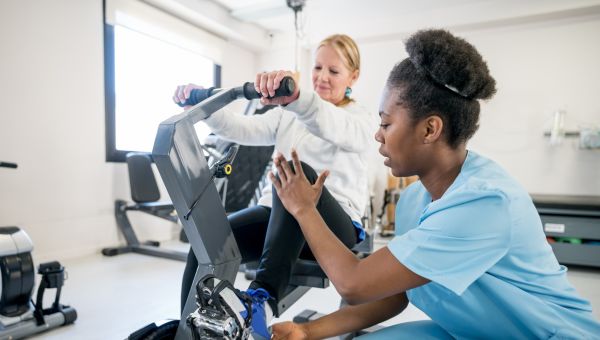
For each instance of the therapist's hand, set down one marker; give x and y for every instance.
(289, 331)
(182, 93)
(293, 188)
(267, 82)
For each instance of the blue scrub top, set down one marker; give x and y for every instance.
(492, 272)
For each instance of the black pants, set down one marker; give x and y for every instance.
(274, 237)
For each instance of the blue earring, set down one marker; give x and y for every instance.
(348, 92)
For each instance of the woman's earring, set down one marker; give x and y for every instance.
(348, 92)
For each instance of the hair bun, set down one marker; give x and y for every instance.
(452, 62)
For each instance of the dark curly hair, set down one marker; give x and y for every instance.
(446, 76)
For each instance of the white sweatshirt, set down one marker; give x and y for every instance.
(326, 137)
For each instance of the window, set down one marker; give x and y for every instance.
(141, 74)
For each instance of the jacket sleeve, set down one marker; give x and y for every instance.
(351, 128)
(246, 130)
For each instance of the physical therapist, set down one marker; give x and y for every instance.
(470, 251)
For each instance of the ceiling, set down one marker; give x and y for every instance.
(384, 19)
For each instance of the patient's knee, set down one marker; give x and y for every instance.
(310, 173)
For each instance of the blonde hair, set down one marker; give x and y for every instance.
(347, 49)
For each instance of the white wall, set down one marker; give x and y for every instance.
(52, 110)
(282, 58)
(539, 68)
(52, 124)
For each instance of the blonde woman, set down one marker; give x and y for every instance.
(332, 132)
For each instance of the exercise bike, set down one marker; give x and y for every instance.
(214, 308)
(19, 316)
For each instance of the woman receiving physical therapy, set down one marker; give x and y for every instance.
(469, 249)
(333, 132)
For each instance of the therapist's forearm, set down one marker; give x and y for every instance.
(338, 262)
(354, 318)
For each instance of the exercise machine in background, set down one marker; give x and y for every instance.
(19, 316)
(237, 192)
(146, 198)
(386, 218)
(572, 227)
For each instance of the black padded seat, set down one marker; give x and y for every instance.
(308, 267)
(146, 195)
(309, 273)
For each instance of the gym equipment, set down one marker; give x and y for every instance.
(386, 218)
(236, 191)
(179, 158)
(571, 240)
(220, 311)
(244, 188)
(571, 220)
(19, 316)
(145, 194)
(219, 314)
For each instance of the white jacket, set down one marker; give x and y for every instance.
(326, 137)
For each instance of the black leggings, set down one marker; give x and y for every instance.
(273, 236)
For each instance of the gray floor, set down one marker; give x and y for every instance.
(115, 296)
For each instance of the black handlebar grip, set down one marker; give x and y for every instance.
(8, 165)
(286, 88)
(197, 95)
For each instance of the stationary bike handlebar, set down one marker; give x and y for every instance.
(286, 88)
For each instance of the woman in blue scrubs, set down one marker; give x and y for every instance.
(469, 249)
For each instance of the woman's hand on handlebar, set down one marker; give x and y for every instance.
(267, 82)
(182, 93)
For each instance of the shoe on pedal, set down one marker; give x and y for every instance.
(260, 309)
